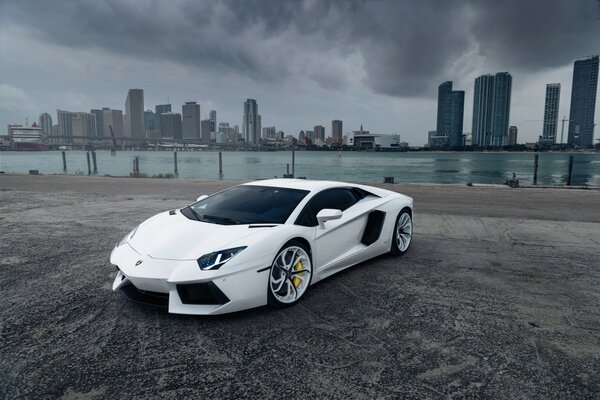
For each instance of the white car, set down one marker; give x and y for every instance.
(258, 243)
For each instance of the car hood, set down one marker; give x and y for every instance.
(175, 237)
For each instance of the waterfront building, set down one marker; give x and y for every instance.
(437, 140)
(450, 115)
(134, 114)
(45, 124)
(213, 120)
(79, 124)
(251, 125)
(149, 119)
(158, 111)
(336, 131)
(302, 137)
(367, 141)
(512, 135)
(583, 102)
(491, 109)
(319, 133)
(190, 113)
(269, 132)
(205, 131)
(105, 118)
(171, 125)
(551, 105)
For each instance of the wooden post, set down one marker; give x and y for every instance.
(293, 162)
(175, 161)
(88, 162)
(220, 163)
(64, 157)
(535, 168)
(570, 170)
(288, 169)
(94, 162)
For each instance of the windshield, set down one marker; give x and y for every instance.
(247, 204)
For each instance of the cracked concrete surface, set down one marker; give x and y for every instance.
(499, 297)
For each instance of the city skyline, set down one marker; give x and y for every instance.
(386, 85)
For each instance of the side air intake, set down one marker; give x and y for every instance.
(373, 228)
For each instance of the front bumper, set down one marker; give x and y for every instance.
(183, 288)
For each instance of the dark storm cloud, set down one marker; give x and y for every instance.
(406, 47)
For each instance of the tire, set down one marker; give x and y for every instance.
(290, 275)
(402, 234)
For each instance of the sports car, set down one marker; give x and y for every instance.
(259, 243)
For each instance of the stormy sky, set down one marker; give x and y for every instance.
(305, 61)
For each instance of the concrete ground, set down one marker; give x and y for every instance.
(498, 297)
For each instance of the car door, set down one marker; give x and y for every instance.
(340, 237)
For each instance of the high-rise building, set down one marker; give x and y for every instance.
(512, 135)
(170, 125)
(551, 114)
(319, 133)
(149, 119)
(212, 115)
(451, 104)
(191, 120)
(501, 108)
(80, 124)
(491, 109)
(205, 130)
(105, 118)
(45, 122)
(251, 125)
(583, 102)
(134, 114)
(336, 131)
(269, 132)
(158, 111)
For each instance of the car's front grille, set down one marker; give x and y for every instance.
(145, 296)
(201, 293)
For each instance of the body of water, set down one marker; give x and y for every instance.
(409, 167)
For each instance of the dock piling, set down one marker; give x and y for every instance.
(570, 170)
(293, 161)
(175, 162)
(64, 157)
(88, 163)
(94, 162)
(220, 163)
(535, 168)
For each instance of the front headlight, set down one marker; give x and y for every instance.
(128, 237)
(215, 260)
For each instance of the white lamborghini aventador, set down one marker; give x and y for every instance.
(259, 243)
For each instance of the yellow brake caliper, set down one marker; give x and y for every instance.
(296, 280)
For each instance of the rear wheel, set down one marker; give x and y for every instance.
(402, 233)
(290, 275)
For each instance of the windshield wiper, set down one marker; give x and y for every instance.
(194, 212)
(224, 220)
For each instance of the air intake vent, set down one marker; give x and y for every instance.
(373, 228)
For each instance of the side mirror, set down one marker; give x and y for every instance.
(204, 196)
(328, 214)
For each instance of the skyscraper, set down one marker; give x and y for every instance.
(551, 114)
(212, 115)
(491, 109)
(501, 108)
(158, 111)
(46, 124)
(269, 132)
(134, 114)
(149, 119)
(336, 131)
(76, 124)
(191, 120)
(451, 104)
(170, 125)
(319, 133)
(105, 118)
(512, 135)
(583, 102)
(205, 130)
(251, 124)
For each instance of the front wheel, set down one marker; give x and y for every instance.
(290, 275)
(402, 233)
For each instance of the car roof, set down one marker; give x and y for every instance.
(315, 186)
